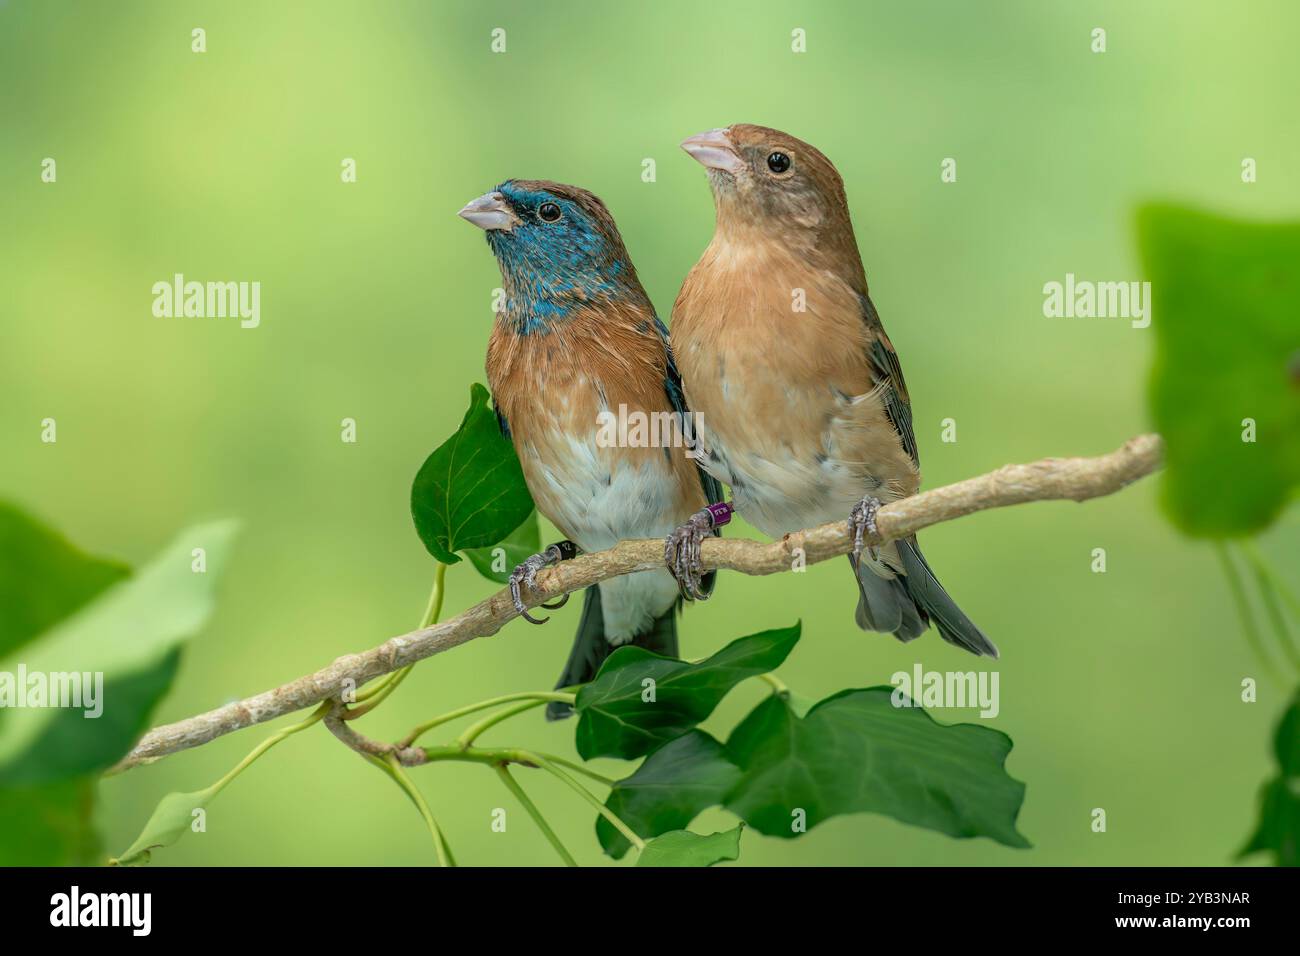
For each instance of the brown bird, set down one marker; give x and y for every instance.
(800, 401)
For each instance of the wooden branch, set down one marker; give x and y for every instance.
(1075, 479)
(338, 726)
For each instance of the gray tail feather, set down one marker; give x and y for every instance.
(590, 648)
(907, 604)
(884, 605)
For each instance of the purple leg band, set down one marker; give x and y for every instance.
(721, 513)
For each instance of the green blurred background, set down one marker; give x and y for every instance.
(1121, 690)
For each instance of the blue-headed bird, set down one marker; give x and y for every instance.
(579, 367)
(801, 404)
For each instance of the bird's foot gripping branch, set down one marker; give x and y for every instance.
(639, 706)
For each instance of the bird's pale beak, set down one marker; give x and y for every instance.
(490, 211)
(714, 150)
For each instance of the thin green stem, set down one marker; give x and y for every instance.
(394, 770)
(778, 685)
(268, 743)
(379, 693)
(1270, 587)
(513, 786)
(579, 768)
(1247, 616)
(375, 696)
(474, 731)
(1248, 548)
(315, 717)
(500, 756)
(428, 725)
(433, 610)
(492, 755)
(604, 811)
(208, 793)
(495, 755)
(1269, 599)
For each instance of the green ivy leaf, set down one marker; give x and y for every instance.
(470, 492)
(684, 848)
(132, 634)
(171, 820)
(1227, 331)
(856, 752)
(668, 790)
(1278, 830)
(614, 720)
(523, 542)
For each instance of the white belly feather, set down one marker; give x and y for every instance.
(599, 503)
(778, 490)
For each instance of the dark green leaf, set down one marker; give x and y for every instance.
(470, 492)
(523, 542)
(68, 742)
(640, 700)
(1278, 831)
(856, 752)
(1227, 328)
(668, 790)
(684, 848)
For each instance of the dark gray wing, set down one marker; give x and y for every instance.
(884, 365)
(677, 397)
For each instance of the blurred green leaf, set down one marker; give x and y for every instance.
(171, 820)
(48, 825)
(68, 744)
(470, 492)
(174, 813)
(1278, 830)
(856, 752)
(1227, 328)
(43, 578)
(668, 790)
(522, 543)
(65, 611)
(616, 720)
(684, 848)
(132, 635)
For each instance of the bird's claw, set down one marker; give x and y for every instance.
(862, 520)
(682, 553)
(525, 574)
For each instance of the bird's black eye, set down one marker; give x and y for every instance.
(548, 212)
(778, 162)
